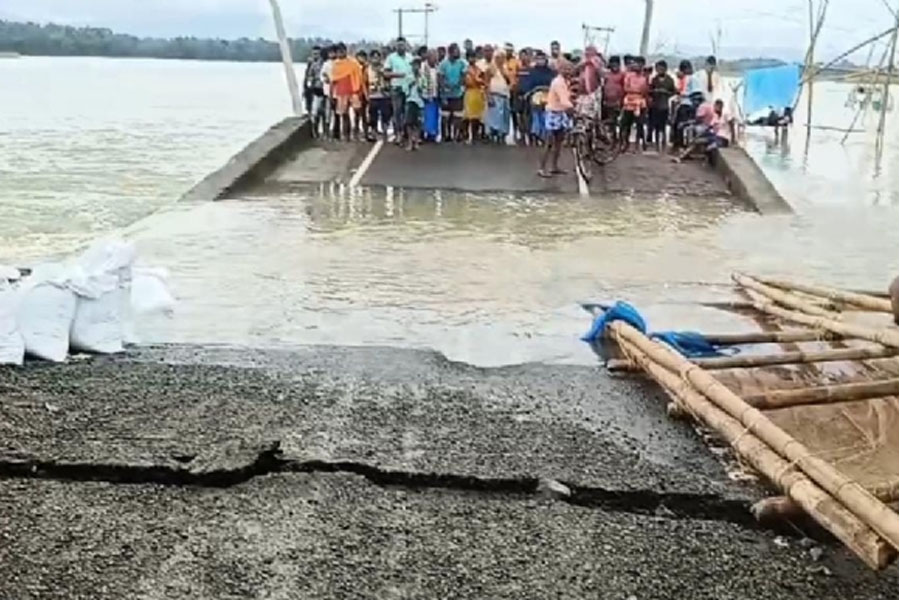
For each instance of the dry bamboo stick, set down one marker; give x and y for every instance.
(825, 394)
(768, 337)
(834, 294)
(797, 357)
(827, 511)
(888, 337)
(784, 298)
(856, 499)
(776, 508)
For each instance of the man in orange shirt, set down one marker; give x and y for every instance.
(346, 85)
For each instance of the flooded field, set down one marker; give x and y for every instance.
(487, 279)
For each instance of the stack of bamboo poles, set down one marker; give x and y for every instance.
(857, 516)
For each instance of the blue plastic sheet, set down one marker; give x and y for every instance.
(772, 86)
(688, 343)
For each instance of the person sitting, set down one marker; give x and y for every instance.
(708, 130)
(685, 103)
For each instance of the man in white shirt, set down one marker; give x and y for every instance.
(709, 82)
(326, 90)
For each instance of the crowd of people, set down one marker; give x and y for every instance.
(493, 94)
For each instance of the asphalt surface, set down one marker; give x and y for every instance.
(484, 168)
(184, 472)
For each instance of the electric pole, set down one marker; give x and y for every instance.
(591, 33)
(426, 10)
(286, 59)
(645, 34)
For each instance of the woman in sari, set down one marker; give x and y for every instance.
(473, 99)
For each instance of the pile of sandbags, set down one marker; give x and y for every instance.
(86, 305)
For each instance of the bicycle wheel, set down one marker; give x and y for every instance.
(605, 148)
(583, 157)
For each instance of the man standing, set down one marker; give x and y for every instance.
(613, 93)
(328, 101)
(430, 90)
(558, 120)
(398, 69)
(311, 78)
(468, 46)
(313, 93)
(555, 55)
(512, 65)
(346, 85)
(451, 74)
(662, 89)
(709, 81)
(379, 97)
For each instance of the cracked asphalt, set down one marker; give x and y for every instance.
(331, 533)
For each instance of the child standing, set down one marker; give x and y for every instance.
(415, 85)
(662, 89)
(473, 100)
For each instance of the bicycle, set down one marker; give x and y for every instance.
(594, 141)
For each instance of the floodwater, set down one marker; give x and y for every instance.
(97, 147)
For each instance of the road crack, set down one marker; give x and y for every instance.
(269, 460)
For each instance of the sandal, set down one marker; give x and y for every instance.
(545, 174)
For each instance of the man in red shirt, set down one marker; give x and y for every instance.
(613, 93)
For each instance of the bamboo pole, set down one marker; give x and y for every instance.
(815, 27)
(826, 394)
(849, 492)
(785, 298)
(885, 92)
(797, 357)
(798, 486)
(843, 55)
(769, 337)
(887, 337)
(781, 508)
(836, 295)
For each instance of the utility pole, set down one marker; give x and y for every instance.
(591, 31)
(645, 34)
(426, 10)
(286, 59)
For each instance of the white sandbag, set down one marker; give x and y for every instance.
(108, 256)
(44, 312)
(8, 273)
(150, 291)
(97, 325)
(12, 346)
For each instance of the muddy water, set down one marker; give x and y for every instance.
(484, 279)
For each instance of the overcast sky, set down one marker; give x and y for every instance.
(748, 27)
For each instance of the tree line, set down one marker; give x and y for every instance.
(64, 40)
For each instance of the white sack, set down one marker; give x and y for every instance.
(45, 309)
(98, 323)
(150, 291)
(12, 346)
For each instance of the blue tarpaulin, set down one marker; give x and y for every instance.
(688, 343)
(773, 86)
